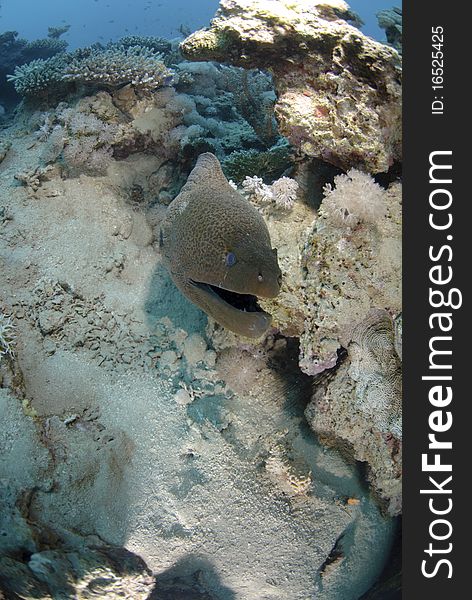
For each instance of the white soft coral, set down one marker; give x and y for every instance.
(282, 192)
(356, 198)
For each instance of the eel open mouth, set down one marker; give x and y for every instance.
(242, 302)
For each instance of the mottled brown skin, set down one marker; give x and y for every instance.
(205, 222)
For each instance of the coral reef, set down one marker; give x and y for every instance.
(229, 112)
(340, 263)
(15, 51)
(266, 164)
(359, 406)
(106, 68)
(218, 425)
(352, 261)
(5, 145)
(216, 432)
(87, 135)
(391, 21)
(338, 91)
(341, 295)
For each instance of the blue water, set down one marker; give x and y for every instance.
(104, 20)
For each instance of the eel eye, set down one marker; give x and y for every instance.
(260, 277)
(230, 259)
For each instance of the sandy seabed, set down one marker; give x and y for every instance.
(119, 430)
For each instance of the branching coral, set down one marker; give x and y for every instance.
(156, 44)
(56, 32)
(15, 51)
(267, 164)
(233, 110)
(111, 67)
(39, 76)
(46, 47)
(116, 66)
(254, 98)
(6, 335)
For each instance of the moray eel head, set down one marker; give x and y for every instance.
(217, 248)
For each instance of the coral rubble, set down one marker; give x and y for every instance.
(339, 92)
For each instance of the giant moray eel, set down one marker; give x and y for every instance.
(217, 249)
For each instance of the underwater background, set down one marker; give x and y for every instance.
(185, 415)
(104, 20)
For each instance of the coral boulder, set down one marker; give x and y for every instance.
(339, 92)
